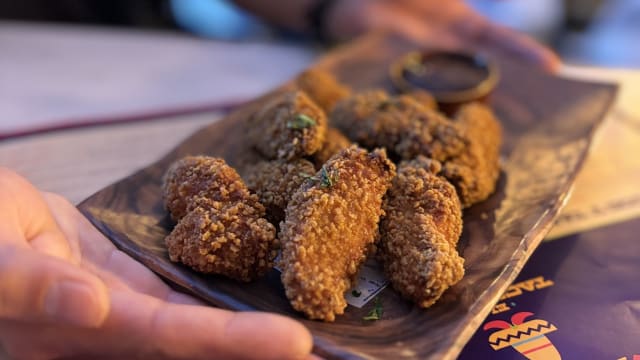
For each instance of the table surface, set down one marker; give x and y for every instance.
(78, 162)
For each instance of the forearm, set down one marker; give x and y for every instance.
(289, 14)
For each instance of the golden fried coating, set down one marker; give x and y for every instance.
(275, 182)
(400, 124)
(475, 172)
(468, 146)
(330, 223)
(335, 142)
(424, 98)
(323, 88)
(349, 114)
(221, 229)
(290, 126)
(225, 238)
(419, 233)
(200, 177)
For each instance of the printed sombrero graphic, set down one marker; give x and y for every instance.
(528, 338)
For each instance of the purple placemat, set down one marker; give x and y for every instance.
(577, 298)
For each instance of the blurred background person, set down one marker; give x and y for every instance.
(582, 31)
(432, 23)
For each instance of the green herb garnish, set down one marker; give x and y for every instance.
(375, 313)
(301, 121)
(327, 179)
(356, 293)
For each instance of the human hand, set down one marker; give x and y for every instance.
(446, 24)
(67, 292)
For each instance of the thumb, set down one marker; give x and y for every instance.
(40, 288)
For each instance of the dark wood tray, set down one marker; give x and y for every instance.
(549, 123)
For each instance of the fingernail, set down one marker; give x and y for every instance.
(314, 357)
(74, 303)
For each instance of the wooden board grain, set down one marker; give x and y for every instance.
(549, 123)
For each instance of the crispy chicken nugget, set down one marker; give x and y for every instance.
(225, 238)
(290, 126)
(275, 182)
(323, 88)
(196, 177)
(335, 142)
(400, 124)
(220, 228)
(349, 114)
(419, 233)
(330, 223)
(475, 172)
(468, 146)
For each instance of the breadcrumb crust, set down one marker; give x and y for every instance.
(419, 233)
(275, 182)
(468, 146)
(271, 132)
(329, 229)
(198, 177)
(224, 230)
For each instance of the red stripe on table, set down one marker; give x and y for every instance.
(536, 348)
(74, 123)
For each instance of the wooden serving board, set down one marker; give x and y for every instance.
(549, 123)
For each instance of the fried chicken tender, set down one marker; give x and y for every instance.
(225, 238)
(335, 142)
(275, 182)
(221, 227)
(290, 126)
(400, 124)
(419, 233)
(323, 88)
(197, 177)
(468, 146)
(330, 223)
(475, 172)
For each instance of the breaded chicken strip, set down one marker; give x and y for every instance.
(323, 88)
(335, 142)
(200, 177)
(400, 124)
(289, 127)
(468, 146)
(225, 238)
(275, 182)
(419, 233)
(330, 223)
(475, 172)
(221, 227)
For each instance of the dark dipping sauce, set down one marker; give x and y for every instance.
(446, 72)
